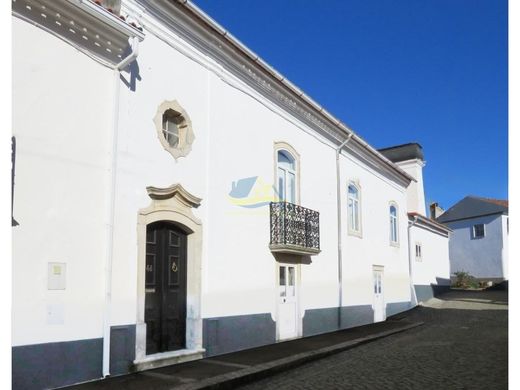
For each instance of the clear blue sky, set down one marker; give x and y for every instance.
(397, 71)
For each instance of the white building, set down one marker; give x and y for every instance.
(143, 179)
(428, 239)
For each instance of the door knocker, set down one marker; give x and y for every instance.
(174, 266)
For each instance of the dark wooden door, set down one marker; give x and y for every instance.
(166, 276)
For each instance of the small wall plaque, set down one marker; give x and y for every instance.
(56, 276)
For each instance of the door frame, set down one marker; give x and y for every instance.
(174, 205)
(299, 317)
(379, 268)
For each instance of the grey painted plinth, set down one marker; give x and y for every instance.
(317, 321)
(428, 291)
(122, 349)
(49, 365)
(234, 333)
(397, 307)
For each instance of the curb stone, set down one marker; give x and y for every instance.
(260, 371)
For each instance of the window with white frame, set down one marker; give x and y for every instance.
(479, 230)
(286, 172)
(354, 217)
(394, 236)
(418, 251)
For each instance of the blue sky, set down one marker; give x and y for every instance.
(427, 71)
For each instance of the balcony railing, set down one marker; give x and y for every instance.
(294, 229)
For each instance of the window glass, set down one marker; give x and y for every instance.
(171, 120)
(352, 192)
(291, 284)
(281, 184)
(478, 230)
(291, 191)
(393, 224)
(282, 282)
(291, 276)
(351, 213)
(285, 160)
(353, 208)
(286, 177)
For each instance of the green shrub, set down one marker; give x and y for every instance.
(465, 280)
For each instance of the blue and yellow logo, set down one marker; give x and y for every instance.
(252, 192)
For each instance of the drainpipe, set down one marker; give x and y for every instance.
(338, 195)
(412, 288)
(134, 44)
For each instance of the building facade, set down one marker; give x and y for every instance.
(179, 198)
(428, 239)
(479, 243)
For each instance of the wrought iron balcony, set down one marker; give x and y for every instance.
(294, 229)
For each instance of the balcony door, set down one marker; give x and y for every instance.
(286, 181)
(288, 319)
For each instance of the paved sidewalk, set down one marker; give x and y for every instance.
(227, 371)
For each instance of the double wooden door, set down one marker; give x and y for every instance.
(166, 279)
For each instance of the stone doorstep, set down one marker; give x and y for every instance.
(250, 374)
(168, 358)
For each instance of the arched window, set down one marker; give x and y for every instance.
(286, 172)
(393, 225)
(354, 219)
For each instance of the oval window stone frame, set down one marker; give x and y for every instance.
(186, 134)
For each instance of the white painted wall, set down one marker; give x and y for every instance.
(62, 185)
(505, 246)
(62, 117)
(235, 131)
(415, 192)
(374, 248)
(165, 75)
(434, 265)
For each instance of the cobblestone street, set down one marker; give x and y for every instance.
(462, 345)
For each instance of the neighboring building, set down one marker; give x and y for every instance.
(428, 240)
(176, 198)
(479, 243)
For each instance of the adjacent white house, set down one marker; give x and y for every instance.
(175, 197)
(428, 239)
(479, 243)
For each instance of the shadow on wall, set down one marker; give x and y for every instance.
(292, 259)
(133, 68)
